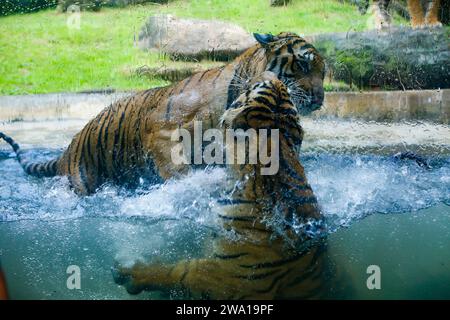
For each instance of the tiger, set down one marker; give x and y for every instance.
(261, 263)
(130, 140)
(422, 13)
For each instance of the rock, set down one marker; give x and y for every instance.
(400, 58)
(276, 3)
(190, 39)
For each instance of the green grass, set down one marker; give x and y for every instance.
(301, 16)
(40, 54)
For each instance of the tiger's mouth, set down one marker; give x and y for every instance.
(304, 101)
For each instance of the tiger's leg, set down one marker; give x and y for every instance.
(165, 161)
(186, 274)
(83, 177)
(416, 13)
(432, 15)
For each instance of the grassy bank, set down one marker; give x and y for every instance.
(40, 54)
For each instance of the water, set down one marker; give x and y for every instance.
(362, 189)
(348, 188)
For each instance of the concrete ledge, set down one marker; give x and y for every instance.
(55, 106)
(388, 106)
(383, 106)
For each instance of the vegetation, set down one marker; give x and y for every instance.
(402, 59)
(23, 6)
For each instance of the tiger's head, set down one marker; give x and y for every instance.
(266, 104)
(298, 65)
(284, 192)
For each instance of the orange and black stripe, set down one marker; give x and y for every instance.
(45, 169)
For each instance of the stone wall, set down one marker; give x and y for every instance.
(388, 106)
(384, 106)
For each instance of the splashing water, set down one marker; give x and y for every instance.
(348, 187)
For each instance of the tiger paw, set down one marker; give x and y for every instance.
(124, 277)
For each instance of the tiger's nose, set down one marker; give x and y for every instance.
(318, 96)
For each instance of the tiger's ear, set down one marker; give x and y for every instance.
(264, 39)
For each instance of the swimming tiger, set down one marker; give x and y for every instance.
(261, 263)
(131, 139)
